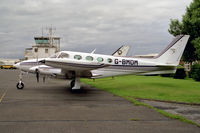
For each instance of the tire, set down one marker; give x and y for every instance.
(20, 85)
(72, 83)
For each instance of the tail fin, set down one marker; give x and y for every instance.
(122, 51)
(172, 54)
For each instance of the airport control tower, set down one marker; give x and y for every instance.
(44, 46)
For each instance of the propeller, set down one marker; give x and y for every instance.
(37, 71)
(37, 74)
(44, 78)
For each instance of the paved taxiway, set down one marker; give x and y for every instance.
(51, 107)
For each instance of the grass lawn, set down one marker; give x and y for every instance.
(150, 87)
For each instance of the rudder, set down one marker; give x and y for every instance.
(172, 54)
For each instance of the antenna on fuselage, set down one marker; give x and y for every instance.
(93, 51)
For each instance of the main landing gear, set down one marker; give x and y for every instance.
(20, 84)
(75, 84)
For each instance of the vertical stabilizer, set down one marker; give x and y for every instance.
(172, 54)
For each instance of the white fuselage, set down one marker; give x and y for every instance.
(99, 65)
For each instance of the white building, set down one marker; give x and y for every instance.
(44, 47)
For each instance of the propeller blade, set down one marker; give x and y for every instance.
(37, 75)
(44, 78)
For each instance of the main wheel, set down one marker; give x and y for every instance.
(72, 83)
(20, 85)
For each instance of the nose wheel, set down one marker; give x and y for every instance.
(20, 84)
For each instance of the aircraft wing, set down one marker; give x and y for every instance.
(80, 67)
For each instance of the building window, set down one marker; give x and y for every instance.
(78, 57)
(89, 58)
(109, 60)
(46, 50)
(36, 50)
(100, 59)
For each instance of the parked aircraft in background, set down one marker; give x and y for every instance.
(76, 65)
(122, 51)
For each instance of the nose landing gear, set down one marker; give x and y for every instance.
(20, 84)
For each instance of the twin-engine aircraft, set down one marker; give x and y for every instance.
(76, 65)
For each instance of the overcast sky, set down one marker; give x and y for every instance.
(85, 25)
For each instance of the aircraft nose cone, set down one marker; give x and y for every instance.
(17, 65)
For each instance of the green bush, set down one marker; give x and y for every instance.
(195, 72)
(180, 73)
(167, 75)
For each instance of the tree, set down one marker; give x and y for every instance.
(175, 27)
(190, 25)
(196, 43)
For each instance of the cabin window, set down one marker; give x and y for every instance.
(89, 58)
(78, 57)
(109, 60)
(100, 59)
(63, 55)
